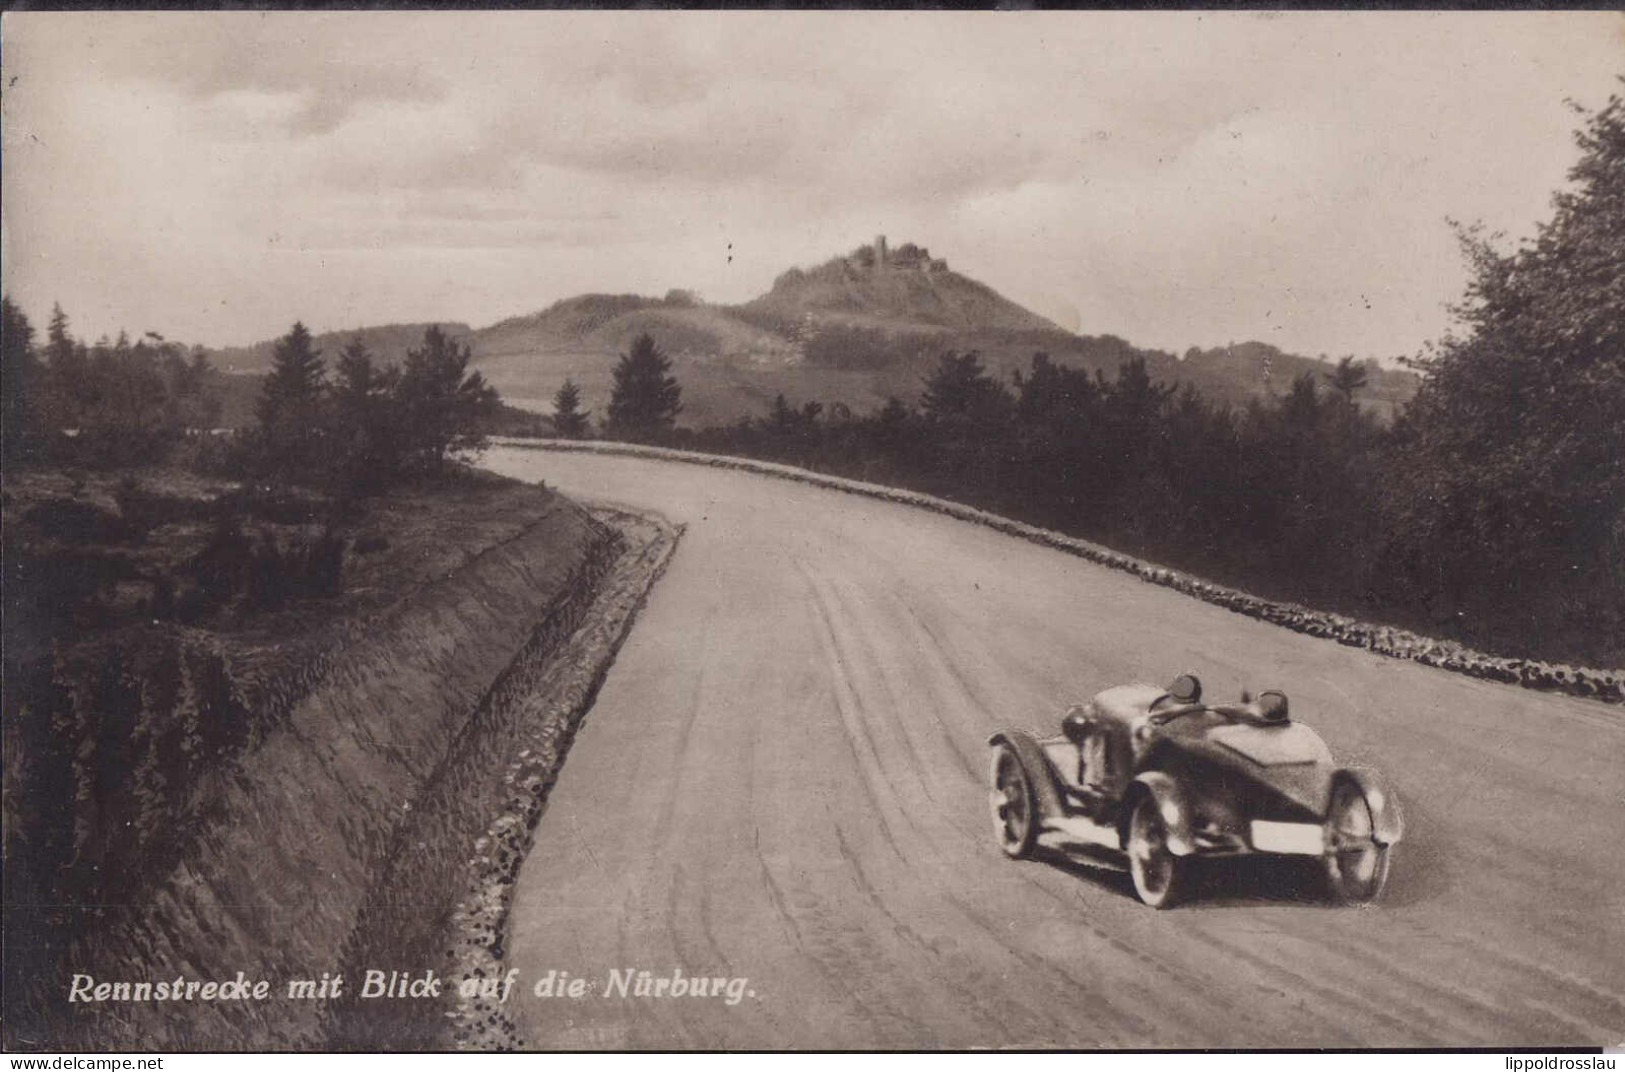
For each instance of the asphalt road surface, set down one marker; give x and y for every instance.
(784, 780)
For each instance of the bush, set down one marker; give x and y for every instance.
(77, 521)
(262, 572)
(106, 748)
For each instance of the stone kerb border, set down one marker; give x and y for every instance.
(1605, 685)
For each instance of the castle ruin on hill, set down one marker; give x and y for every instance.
(905, 258)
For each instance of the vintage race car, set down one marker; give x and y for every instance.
(1158, 777)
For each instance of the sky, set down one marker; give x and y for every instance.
(1176, 179)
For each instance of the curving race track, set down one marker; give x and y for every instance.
(784, 779)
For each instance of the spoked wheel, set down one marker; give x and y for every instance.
(1015, 811)
(1356, 864)
(1155, 869)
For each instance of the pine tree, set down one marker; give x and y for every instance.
(961, 391)
(289, 406)
(358, 385)
(20, 372)
(1347, 378)
(59, 344)
(646, 400)
(365, 430)
(782, 418)
(441, 402)
(568, 419)
(71, 389)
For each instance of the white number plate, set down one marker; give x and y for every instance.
(1302, 839)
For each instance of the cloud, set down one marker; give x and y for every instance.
(322, 68)
(1170, 177)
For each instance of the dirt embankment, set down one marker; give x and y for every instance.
(443, 900)
(300, 839)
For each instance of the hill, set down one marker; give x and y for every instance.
(856, 329)
(905, 289)
(528, 358)
(609, 322)
(1245, 370)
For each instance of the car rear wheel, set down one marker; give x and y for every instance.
(1356, 863)
(1156, 871)
(1015, 810)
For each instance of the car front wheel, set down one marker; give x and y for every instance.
(1152, 865)
(1015, 819)
(1356, 863)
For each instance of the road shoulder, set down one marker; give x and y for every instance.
(539, 705)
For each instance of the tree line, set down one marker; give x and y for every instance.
(1278, 492)
(367, 425)
(118, 406)
(107, 403)
(355, 428)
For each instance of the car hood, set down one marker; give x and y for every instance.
(1291, 759)
(1272, 746)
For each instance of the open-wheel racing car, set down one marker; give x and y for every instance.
(1159, 777)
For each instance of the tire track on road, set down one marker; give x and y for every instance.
(856, 659)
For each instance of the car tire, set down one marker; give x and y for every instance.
(1013, 802)
(1356, 864)
(1158, 874)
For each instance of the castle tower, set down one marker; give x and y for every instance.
(880, 251)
